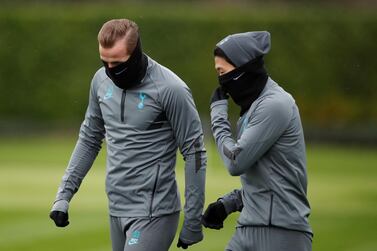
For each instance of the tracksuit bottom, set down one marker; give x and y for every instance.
(143, 234)
(255, 238)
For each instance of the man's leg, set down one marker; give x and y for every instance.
(289, 240)
(269, 239)
(235, 244)
(118, 238)
(155, 234)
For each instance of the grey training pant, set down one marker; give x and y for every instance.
(269, 239)
(143, 234)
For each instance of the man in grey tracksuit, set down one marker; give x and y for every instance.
(268, 152)
(145, 112)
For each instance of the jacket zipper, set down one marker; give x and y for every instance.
(154, 191)
(122, 105)
(271, 202)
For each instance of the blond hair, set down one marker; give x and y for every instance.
(117, 29)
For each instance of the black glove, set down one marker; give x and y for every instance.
(214, 215)
(60, 218)
(218, 94)
(183, 245)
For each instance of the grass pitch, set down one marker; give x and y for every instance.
(342, 191)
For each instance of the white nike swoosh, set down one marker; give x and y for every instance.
(117, 73)
(236, 78)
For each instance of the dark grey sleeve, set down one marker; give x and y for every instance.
(232, 201)
(87, 147)
(266, 125)
(184, 118)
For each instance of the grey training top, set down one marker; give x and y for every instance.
(269, 156)
(143, 127)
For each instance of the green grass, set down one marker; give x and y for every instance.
(342, 192)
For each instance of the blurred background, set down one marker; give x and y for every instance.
(323, 52)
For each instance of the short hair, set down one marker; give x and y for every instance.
(117, 29)
(220, 53)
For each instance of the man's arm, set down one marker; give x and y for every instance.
(232, 201)
(185, 121)
(87, 147)
(268, 122)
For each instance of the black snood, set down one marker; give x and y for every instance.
(129, 74)
(245, 83)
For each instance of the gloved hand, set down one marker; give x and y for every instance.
(182, 244)
(214, 215)
(59, 213)
(218, 94)
(188, 237)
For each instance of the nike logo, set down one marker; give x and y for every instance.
(133, 241)
(135, 238)
(236, 78)
(117, 73)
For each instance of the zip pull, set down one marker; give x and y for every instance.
(122, 108)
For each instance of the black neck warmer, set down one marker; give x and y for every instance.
(245, 83)
(129, 74)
